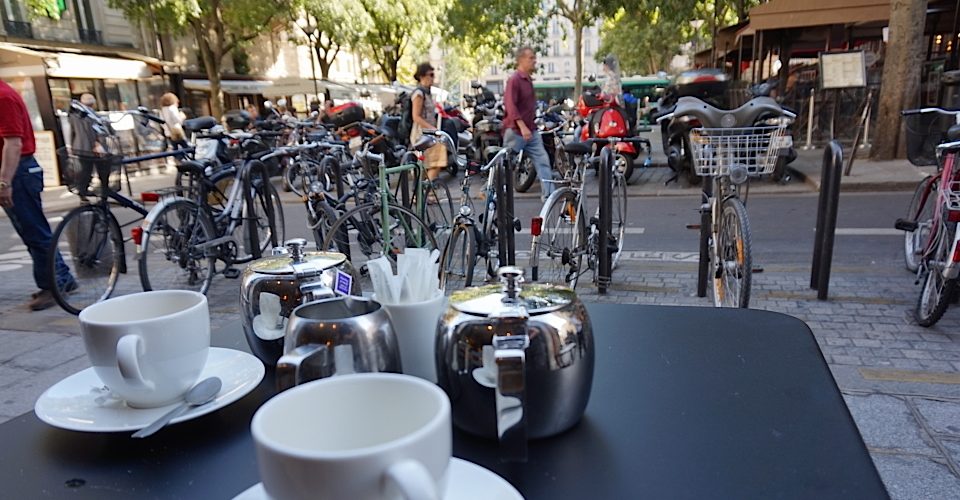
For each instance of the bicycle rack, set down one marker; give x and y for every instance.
(827, 207)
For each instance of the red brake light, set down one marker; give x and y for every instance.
(148, 197)
(704, 79)
(137, 235)
(536, 226)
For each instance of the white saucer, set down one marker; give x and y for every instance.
(80, 402)
(465, 481)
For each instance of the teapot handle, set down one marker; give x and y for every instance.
(510, 357)
(304, 363)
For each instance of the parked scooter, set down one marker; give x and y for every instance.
(603, 118)
(787, 154)
(487, 123)
(548, 123)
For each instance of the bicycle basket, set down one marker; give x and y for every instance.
(715, 150)
(89, 172)
(924, 132)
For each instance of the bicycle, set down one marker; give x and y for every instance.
(931, 239)
(382, 226)
(469, 241)
(89, 242)
(561, 236)
(184, 235)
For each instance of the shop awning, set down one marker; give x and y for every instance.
(782, 14)
(231, 86)
(17, 60)
(306, 86)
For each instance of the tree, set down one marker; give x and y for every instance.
(581, 14)
(645, 42)
(398, 27)
(219, 26)
(901, 73)
(43, 8)
(330, 26)
(488, 32)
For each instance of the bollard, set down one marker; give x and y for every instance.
(809, 144)
(827, 210)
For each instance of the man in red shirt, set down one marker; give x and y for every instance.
(519, 130)
(21, 181)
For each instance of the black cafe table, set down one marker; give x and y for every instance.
(686, 403)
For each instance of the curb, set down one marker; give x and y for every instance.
(855, 187)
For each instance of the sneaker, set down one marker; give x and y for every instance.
(43, 300)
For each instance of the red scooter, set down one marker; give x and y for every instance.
(603, 118)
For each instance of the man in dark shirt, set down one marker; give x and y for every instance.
(21, 181)
(520, 132)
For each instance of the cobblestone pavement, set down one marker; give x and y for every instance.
(901, 382)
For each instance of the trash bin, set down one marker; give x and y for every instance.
(950, 96)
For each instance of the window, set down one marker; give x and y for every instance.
(493, 70)
(555, 27)
(85, 23)
(11, 10)
(556, 48)
(586, 48)
(550, 68)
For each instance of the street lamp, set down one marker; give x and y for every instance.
(311, 31)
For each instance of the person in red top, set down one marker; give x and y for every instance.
(519, 130)
(21, 181)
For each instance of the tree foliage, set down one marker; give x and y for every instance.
(329, 27)
(43, 8)
(219, 26)
(488, 32)
(398, 28)
(581, 14)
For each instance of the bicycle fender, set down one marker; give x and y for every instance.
(152, 215)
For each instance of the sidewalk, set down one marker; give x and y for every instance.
(866, 175)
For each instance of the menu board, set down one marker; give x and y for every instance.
(46, 156)
(842, 70)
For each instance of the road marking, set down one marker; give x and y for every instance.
(909, 376)
(629, 230)
(9, 267)
(868, 231)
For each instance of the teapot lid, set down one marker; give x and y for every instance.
(490, 299)
(292, 260)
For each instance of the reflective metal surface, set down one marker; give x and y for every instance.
(337, 336)
(272, 287)
(513, 373)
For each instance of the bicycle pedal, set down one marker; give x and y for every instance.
(906, 225)
(757, 269)
(517, 227)
(231, 273)
(693, 226)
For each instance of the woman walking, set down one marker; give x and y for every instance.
(424, 112)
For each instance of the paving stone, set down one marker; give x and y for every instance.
(916, 478)
(886, 423)
(16, 343)
(25, 392)
(63, 350)
(942, 417)
(953, 449)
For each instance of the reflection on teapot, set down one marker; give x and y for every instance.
(337, 336)
(517, 364)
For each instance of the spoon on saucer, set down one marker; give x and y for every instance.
(200, 394)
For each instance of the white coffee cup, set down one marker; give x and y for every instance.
(415, 325)
(367, 436)
(148, 348)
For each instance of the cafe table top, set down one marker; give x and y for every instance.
(687, 402)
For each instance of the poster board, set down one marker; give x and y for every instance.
(843, 70)
(46, 156)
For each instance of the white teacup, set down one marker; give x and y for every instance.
(415, 325)
(369, 436)
(148, 348)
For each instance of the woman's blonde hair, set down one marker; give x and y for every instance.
(169, 99)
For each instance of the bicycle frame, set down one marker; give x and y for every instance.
(951, 270)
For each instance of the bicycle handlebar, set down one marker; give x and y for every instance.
(615, 140)
(907, 112)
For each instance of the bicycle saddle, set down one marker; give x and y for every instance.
(712, 117)
(492, 151)
(424, 143)
(200, 123)
(191, 167)
(577, 148)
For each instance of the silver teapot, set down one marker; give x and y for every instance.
(274, 286)
(516, 364)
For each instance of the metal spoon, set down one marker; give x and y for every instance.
(200, 394)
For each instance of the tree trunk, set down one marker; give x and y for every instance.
(901, 73)
(578, 51)
(211, 62)
(324, 64)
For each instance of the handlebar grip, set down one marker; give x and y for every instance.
(908, 112)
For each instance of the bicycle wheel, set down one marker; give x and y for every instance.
(364, 225)
(731, 256)
(170, 256)
(320, 218)
(524, 175)
(937, 291)
(618, 228)
(459, 258)
(557, 253)
(439, 212)
(267, 216)
(920, 210)
(88, 241)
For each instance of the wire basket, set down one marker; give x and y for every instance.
(90, 173)
(924, 132)
(715, 150)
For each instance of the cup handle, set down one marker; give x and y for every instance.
(129, 350)
(412, 479)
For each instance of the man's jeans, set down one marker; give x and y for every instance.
(32, 226)
(535, 150)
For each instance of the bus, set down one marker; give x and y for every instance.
(650, 87)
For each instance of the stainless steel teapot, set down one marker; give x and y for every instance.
(274, 286)
(516, 364)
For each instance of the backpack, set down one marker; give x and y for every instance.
(405, 102)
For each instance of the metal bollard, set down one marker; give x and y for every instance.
(827, 210)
